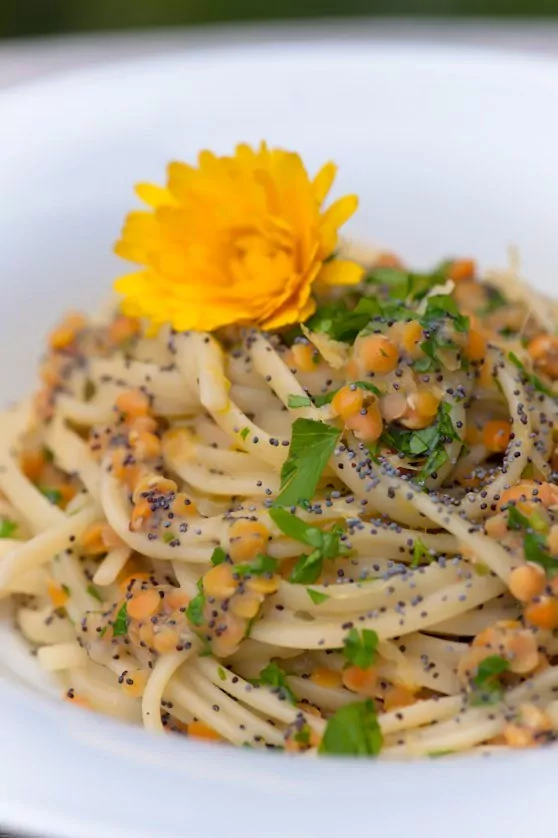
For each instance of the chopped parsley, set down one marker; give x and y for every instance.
(53, 495)
(221, 673)
(400, 284)
(95, 593)
(420, 553)
(359, 648)
(7, 528)
(353, 731)
(218, 556)
(194, 611)
(487, 689)
(168, 537)
(299, 401)
(317, 597)
(66, 589)
(327, 545)
(338, 322)
(257, 567)
(302, 736)
(120, 626)
(534, 539)
(244, 433)
(274, 677)
(48, 456)
(438, 309)
(530, 377)
(312, 444)
(426, 443)
(494, 300)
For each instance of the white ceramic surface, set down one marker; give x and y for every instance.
(452, 152)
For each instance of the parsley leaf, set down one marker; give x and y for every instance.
(95, 593)
(420, 552)
(428, 442)
(274, 677)
(487, 687)
(53, 495)
(495, 300)
(312, 444)
(257, 567)
(534, 542)
(120, 626)
(299, 401)
(531, 378)
(400, 284)
(439, 309)
(353, 731)
(340, 323)
(327, 545)
(218, 556)
(221, 673)
(194, 611)
(244, 433)
(7, 528)
(360, 648)
(317, 597)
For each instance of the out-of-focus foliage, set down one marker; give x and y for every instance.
(38, 17)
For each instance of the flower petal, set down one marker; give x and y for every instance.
(340, 211)
(153, 195)
(340, 272)
(323, 181)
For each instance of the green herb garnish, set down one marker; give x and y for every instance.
(257, 567)
(420, 553)
(530, 377)
(95, 593)
(53, 495)
(317, 597)
(327, 545)
(359, 648)
(221, 673)
(194, 611)
(487, 688)
(426, 443)
(534, 541)
(7, 528)
(312, 444)
(402, 285)
(340, 323)
(48, 456)
(353, 731)
(244, 433)
(495, 300)
(274, 677)
(299, 401)
(120, 626)
(218, 556)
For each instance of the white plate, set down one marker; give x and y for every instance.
(452, 152)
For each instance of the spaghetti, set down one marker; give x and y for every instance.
(340, 537)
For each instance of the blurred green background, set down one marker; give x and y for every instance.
(42, 17)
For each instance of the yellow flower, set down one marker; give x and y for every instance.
(237, 239)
